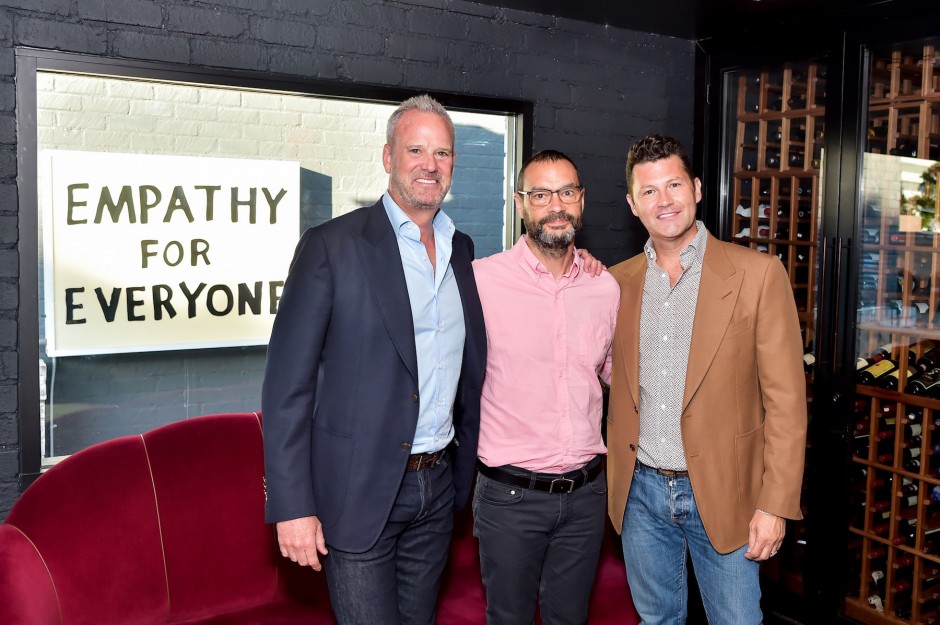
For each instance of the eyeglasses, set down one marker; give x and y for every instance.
(542, 197)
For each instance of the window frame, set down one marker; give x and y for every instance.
(31, 61)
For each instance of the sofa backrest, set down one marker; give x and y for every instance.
(93, 523)
(163, 527)
(208, 478)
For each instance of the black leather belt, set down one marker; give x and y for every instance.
(417, 462)
(547, 482)
(667, 472)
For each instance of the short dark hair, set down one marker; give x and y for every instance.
(545, 156)
(652, 148)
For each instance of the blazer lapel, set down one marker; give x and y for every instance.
(460, 263)
(717, 294)
(381, 264)
(629, 320)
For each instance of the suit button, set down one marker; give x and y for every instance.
(632, 447)
(636, 410)
(406, 445)
(414, 398)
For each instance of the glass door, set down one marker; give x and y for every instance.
(773, 154)
(893, 572)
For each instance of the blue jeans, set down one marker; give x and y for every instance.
(661, 522)
(396, 582)
(538, 547)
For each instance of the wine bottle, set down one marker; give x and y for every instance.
(931, 540)
(924, 384)
(902, 561)
(921, 347)
(892, 380)
(900, 586)
(860, 445)
(930, 359)
(914, 416)
(881, 368)
(922, 276)
(797, 102)
(910, 459)
(880, 354)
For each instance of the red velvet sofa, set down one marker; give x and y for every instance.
(168, 527)
(165, 527)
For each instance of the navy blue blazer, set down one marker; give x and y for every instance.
(340, 393)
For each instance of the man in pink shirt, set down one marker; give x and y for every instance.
(540, 499)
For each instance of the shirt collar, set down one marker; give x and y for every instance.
(692, 253)
(403, 225)
(527, 259)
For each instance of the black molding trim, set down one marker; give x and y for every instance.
(28, 246)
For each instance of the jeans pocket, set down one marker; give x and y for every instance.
(599, 484)
(497, 494)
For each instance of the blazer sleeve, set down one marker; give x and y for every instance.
(783, 392)
(288, 394)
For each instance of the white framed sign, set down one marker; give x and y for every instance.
(151, 252)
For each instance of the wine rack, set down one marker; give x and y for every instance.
(894, 526)
(777, 160)
(777, 121)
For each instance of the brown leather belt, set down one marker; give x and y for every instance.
(417, 462)
(667, 472)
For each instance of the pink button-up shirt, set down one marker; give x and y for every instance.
(547, 343)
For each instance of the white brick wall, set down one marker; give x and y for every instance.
(339, 139)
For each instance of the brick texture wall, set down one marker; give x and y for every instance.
(595, 90)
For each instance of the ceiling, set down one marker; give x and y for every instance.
(686, 19)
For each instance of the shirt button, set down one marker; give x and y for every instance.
(666, 305)
(665, 337)
(664, 406)
(665, 372)
(662, 440)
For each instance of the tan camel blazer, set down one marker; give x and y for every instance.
(744, 412)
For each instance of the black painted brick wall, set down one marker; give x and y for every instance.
(596, 89)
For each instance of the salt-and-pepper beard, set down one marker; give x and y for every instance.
(551, 244)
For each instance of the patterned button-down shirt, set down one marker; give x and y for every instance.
(666, 320)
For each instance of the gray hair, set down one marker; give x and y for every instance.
(423, 103)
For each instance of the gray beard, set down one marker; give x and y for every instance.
(550, 244)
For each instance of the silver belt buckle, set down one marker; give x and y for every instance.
(565, 485)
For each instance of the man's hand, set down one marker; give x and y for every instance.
(765, 536)
(591, 265)
(301, 539)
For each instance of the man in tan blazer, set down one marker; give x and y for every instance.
(707, 418)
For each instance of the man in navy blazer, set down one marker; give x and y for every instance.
(371, 393)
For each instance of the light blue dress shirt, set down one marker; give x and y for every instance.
(438, 324)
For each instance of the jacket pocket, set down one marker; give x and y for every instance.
(749, 459)
(329, 465)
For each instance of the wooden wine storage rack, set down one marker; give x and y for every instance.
(894, 528)
(775, 196)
